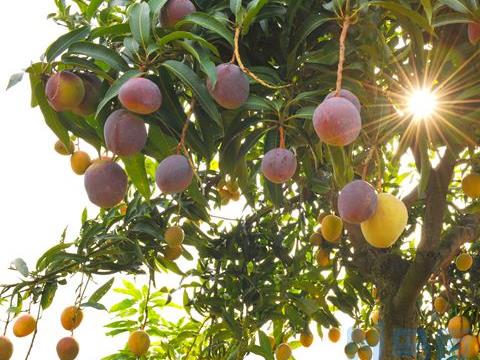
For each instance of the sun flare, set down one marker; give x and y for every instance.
(422, 104)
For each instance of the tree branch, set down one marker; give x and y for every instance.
(427, 255)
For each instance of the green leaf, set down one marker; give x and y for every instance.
(235, 8)
(14, 80)
(92, 8)
(101, 53)
(48, 294)
(176, 35)
(427, 7)
(139, 20)
(210, 23)
(202, 56)
(401, 10)
(94, 305)
(64, 41)
(135, 167)
(155, 8)
(189, 78)
(20, 265)
(101, 291)
(456, 5)
(265, 345)
(51, 117)
(253, 9)
(112, 92)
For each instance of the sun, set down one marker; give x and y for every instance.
(422, 104)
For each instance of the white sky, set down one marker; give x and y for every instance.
(41, 195)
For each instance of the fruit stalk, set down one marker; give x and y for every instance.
(247, 70)
(341, 57)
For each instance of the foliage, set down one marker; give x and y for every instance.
(258, 272)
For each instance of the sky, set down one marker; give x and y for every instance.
(41, 195)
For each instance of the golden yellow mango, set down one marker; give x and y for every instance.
(384, 228)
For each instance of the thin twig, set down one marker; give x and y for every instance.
(35, 332)
(147, 300)
(341, 57)
(248, 71)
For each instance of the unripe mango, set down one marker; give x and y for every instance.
(6, 348)
(331, 229)
(384, 228)
(67, 348)
(315, 239)
(365, 353)
(323, 258)
(71, 318)
(174, 236)
(138, 342)
(372, 336)
(334, 334)
(65, 91)
(458, 326)
(174, 11)
(469, 347)
(464, 262)
(351, 350)
(231, 89)
(140, 95)
(358, 335)
(62, 149)
(80, 162)
(174, 174)
(279, 165)
(440, 305)
(306, 338)
(471, 185)
(172, 253)
(24, 325)
(337, 122)
(106, 183)
(284, 352)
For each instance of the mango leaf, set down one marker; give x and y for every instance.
(93, 305)
(253, 9)
(139, 20)
(48, 294)
(189, 78)
(14, 80)
(51, 117)
(456, 5)
(21, 266)
(64, 41)
(201, 55)
(135, 167)
(101, 53)
(101, 291)
(176, 35)
(265, 346)
(92, 8)
(115, 88)
(155, 8)
(208, 22)
(402, 10)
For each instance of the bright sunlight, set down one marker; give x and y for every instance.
(422, 104)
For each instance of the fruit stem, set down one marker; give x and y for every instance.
(147, 299)
(236, 54)
(181, 144)
(282, 137)
(341, 57)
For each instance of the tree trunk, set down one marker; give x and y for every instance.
(398, 330)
